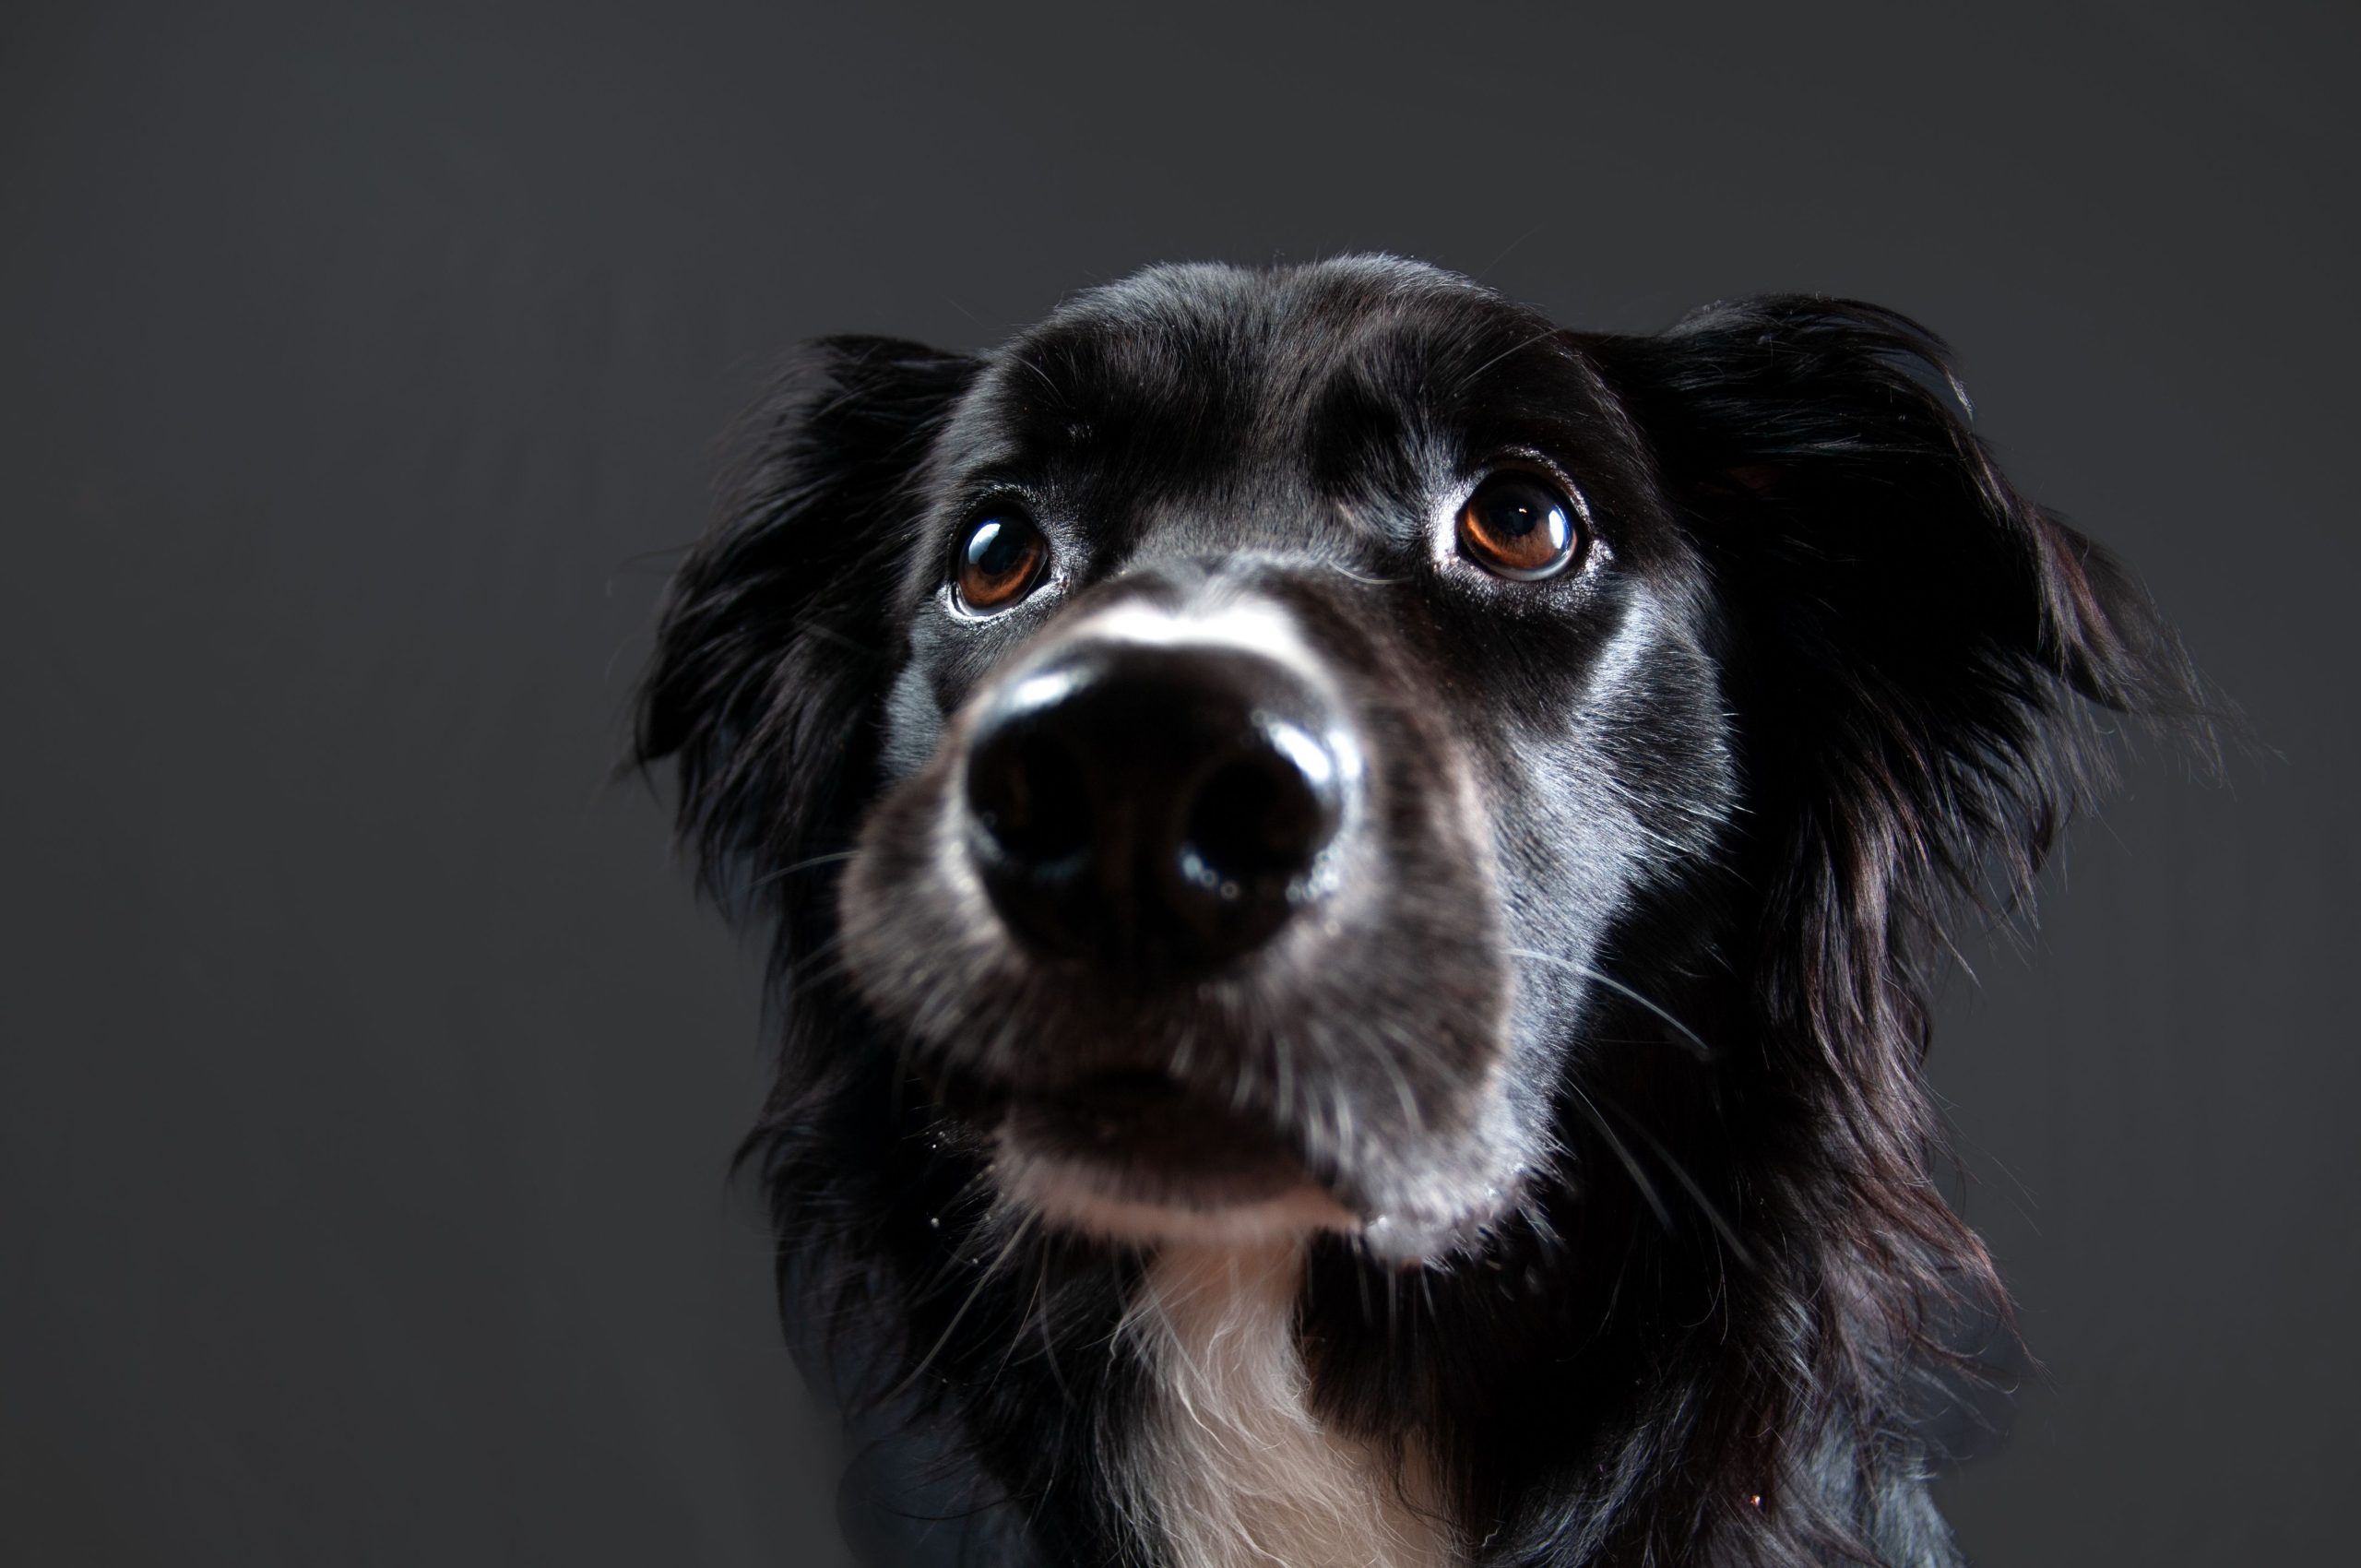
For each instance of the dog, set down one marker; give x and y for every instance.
(1356, 878)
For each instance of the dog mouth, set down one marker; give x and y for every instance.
(1135, 1155)
(1191, 926)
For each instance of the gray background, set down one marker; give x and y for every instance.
(368, 1076)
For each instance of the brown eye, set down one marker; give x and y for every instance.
(1519, 526)
(999, 561)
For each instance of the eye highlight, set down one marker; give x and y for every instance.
(999, 561)
(1520, 526)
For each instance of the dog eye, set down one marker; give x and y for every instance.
(1517, 525)
(999, 561)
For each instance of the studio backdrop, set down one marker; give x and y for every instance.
(369, 1077)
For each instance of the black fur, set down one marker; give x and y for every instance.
(1822, 682)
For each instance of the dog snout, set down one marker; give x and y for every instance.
(1157, 810)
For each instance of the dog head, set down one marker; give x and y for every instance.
(1255, 742)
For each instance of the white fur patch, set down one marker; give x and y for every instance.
(1074, 1194)
(1255, 624)
(1234, 1469)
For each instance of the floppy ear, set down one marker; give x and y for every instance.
(1915, 654)
(769, 661)
(1914, 644)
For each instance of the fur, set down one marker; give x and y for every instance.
(1236, 1469)
(1612, 1236)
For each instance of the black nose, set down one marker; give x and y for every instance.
(1156, 810)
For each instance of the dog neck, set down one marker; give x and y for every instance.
(1234, 1468)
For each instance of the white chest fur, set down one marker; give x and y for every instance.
(1234, 1469)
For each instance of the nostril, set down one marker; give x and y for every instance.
(1027, 791)
(1260, 819)
(1154, 812)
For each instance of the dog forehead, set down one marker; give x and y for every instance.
(1219, 303)
(1206, 368)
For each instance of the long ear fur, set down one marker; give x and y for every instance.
(767, 682)
(1916, 656)
(767, 666)
(1911, 634)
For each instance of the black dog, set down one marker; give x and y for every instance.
(1356, 877)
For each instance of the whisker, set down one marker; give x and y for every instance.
(1025, 1223)
(1403, 1094)
(1048, 1340)
(1713, 1215)
(1688, 1036)
(975, 1294)
(785, 872)
(1468, 378)
(816, 964)
(1639, 1178)
(664, 558)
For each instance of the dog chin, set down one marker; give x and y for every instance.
(1110, 1204)
(1117, 1204)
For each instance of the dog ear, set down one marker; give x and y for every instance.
(1915, 656)
(768, 660)
(1916, 645)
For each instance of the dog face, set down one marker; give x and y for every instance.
(1323, 755)
(1275, 716)
(1302, 683)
